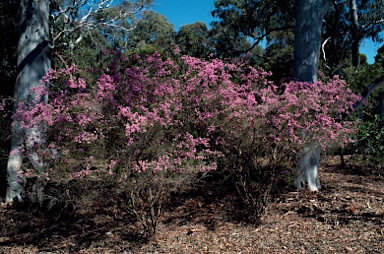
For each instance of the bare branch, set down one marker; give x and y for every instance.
(323, 50)
(258, 39)
(89, 20)
(368, 91)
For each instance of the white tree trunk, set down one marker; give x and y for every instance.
(308, 168)
(309, 18)
(355, 34)
(33, 63)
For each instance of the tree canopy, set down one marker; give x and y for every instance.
(152, 29)
(193, 40)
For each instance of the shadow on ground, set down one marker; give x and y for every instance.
(83, 214)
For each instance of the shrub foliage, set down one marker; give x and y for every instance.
(157, 123)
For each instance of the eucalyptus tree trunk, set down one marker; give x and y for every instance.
(355, 35)
(309, 18)
(33, 63)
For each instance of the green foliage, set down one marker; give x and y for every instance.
(379, 58)
(370, 141)
(363, 60)
(226, 42)
(8, 45)
(342, 34)
(193, 40)
(152, 29)
(86, 55)
(278, 56)
(146, 49)
(254, 18)
(359, 80)
(243, 23)
(91, 26)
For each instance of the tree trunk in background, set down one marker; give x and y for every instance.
(33, 63)
(355, 36)
(309, 18)
(356, 54)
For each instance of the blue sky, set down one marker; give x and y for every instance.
(369, 48)
(183, 12)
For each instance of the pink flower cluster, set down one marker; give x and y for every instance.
(170, 117)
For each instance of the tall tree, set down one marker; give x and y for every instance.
(33, 62)
(250, 21)
(8, 56)
(309, 18)
(70, 20)
(355, 35)
(278, 56)
(153, 29)
(347, 23)
(193, 40)
(80, 29)
(8, 45)
(226, 42)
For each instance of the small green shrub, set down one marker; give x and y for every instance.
(370, 141)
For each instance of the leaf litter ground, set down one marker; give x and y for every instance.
(346, 216)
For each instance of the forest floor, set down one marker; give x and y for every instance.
(346, 216)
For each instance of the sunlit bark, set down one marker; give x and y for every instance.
(33, 63)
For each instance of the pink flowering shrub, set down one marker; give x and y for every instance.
(258, 126)
(156, 123)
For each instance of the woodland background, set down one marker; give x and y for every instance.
(218, 211)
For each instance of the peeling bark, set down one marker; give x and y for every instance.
(33, 63)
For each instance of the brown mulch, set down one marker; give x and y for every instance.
(346, 216)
